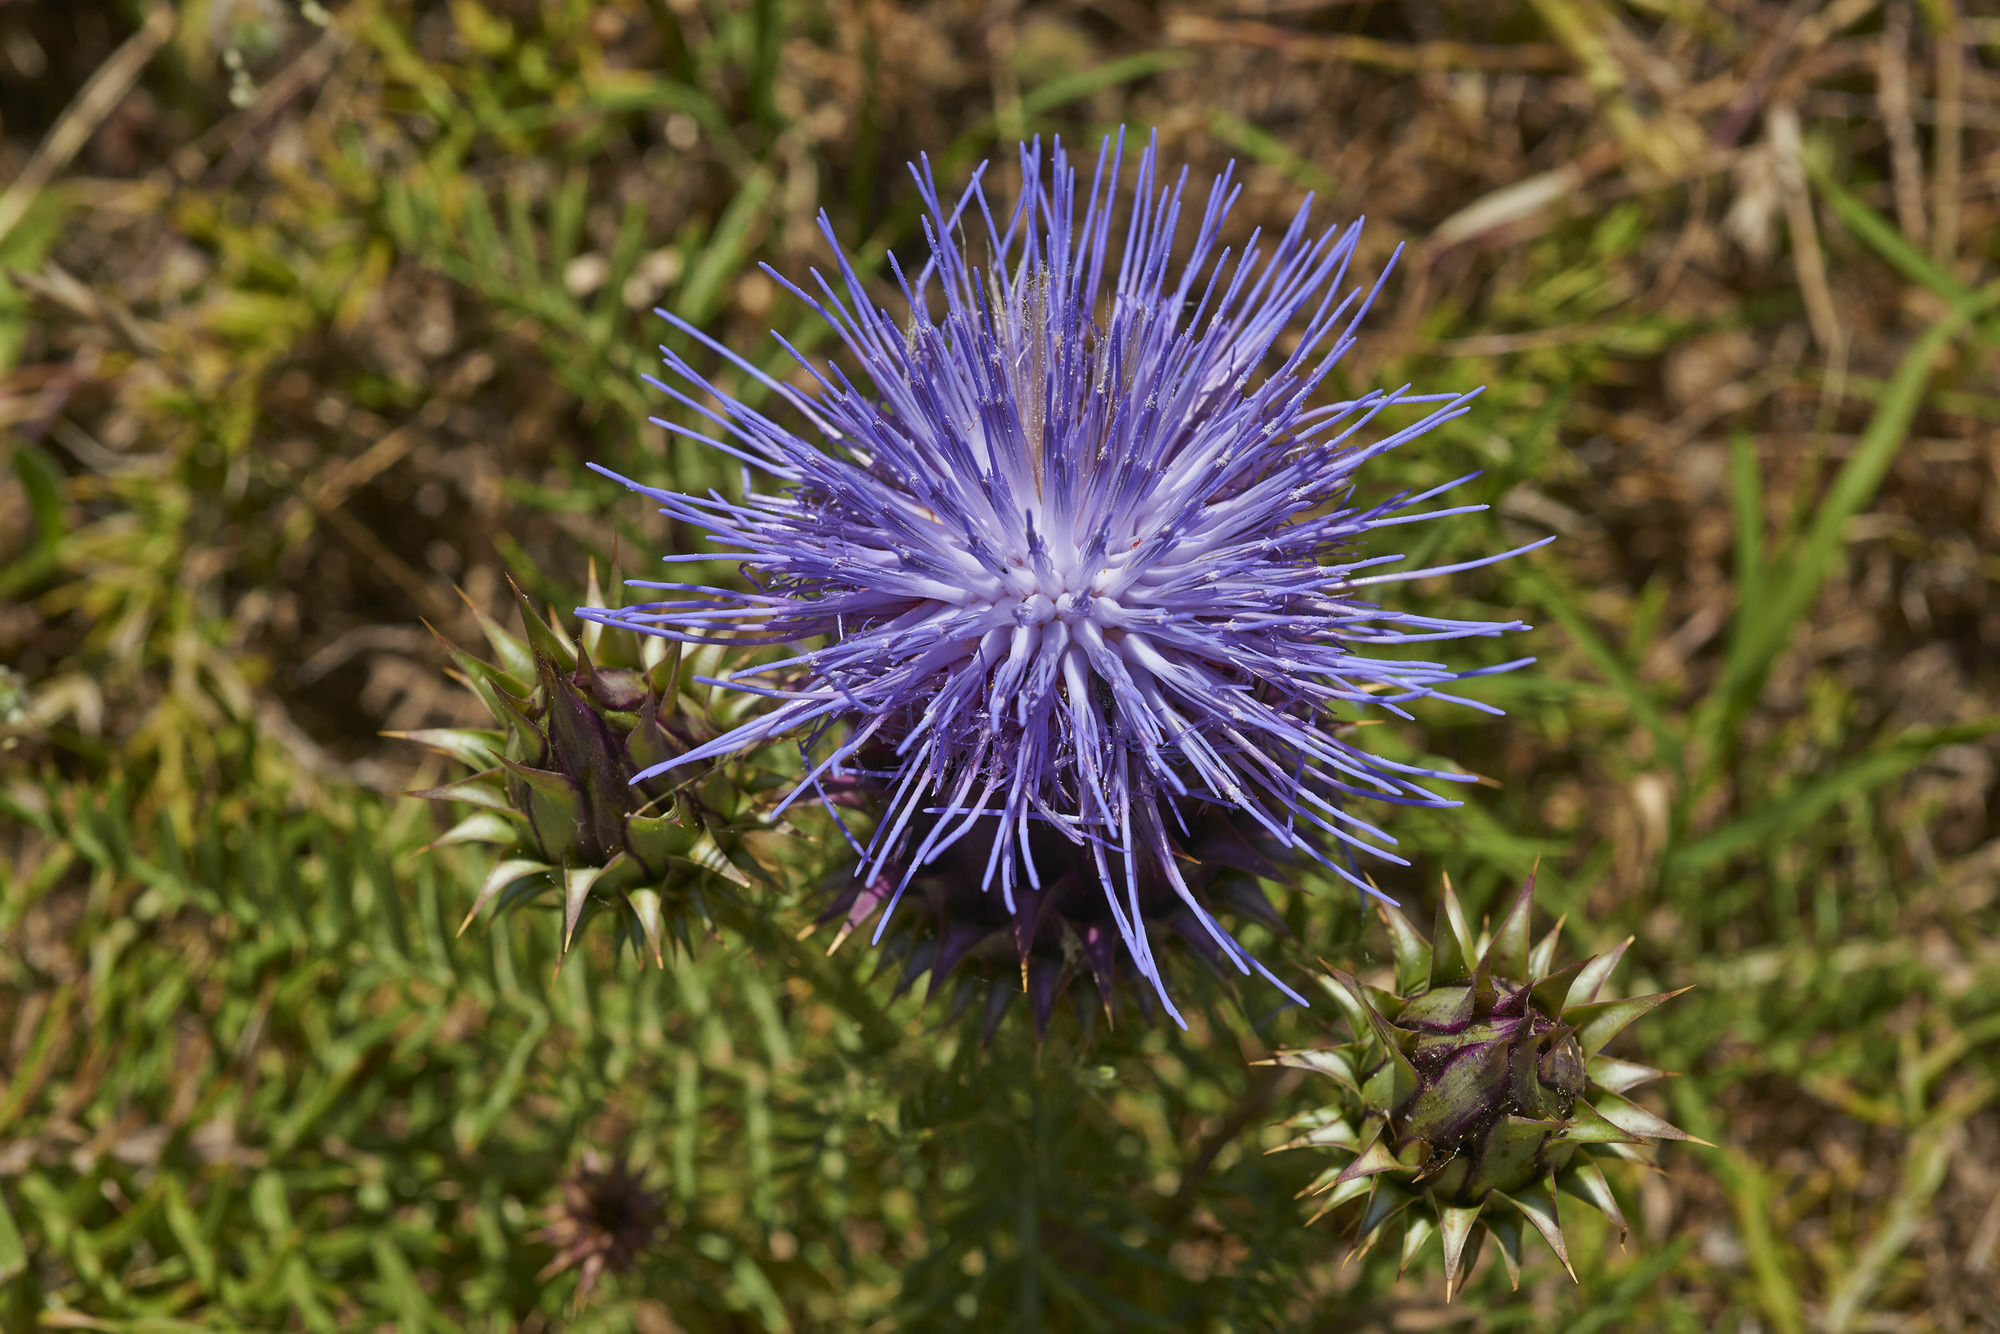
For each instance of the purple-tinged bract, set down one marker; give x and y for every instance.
(1477, 1089)
(1075, 535)
(1058, 942)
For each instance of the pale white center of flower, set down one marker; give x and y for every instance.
(1071, 595)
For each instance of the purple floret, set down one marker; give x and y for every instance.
(1062, 552)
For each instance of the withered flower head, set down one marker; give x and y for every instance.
(604, 1221)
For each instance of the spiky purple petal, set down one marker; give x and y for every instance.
(1063, 551)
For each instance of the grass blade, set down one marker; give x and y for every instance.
(1795, 581)
(1770, 823)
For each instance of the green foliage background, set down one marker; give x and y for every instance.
(308, 315)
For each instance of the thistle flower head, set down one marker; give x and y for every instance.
(1076, 535)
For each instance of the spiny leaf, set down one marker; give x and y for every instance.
(1636, 1120)
(1585, 1180)
(497, 879)
(1453, 957)
(1335, 1133)
(516, 658)
(1455, 1224)
(1543, 957)
(1337, 1063)
(1383, 1206)
(546, 638)
(646, 908)
(1590, 979)
(1548, 994)
(476, 748)
(1341, 1192)
(481, 789)
(547, 782)
(1376, 1158)
(481, 827)
(1421, 1226)
(1598, 1024)
(1506, 1230)
(1539, 1208)
(1507, 955)
(577, 881)
(481, 678)
(1412, 951)
(1616, 1076)
(707, 855)
(593, 631)
(1587, 1125)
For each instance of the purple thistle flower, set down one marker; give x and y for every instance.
(1063, 553)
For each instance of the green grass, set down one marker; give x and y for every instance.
(275, 382)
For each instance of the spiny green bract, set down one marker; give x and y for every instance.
(1470, 1098)
(553, 784)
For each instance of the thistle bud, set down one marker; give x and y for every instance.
(1476, 1090)
(554, 784)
